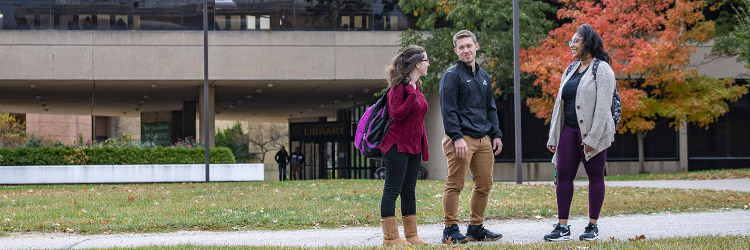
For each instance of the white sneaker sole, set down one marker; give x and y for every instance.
(590, 239)
(563, 238)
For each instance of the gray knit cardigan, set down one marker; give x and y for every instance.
(593, 102)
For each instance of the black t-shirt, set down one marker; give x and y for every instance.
(569, 98)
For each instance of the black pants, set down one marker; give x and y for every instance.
(401, 171)
(282, 172)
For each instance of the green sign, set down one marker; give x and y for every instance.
(158, 132)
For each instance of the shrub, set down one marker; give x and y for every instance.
(34, 141)
(25, 156)
(235, 139)
(12, 131)
(189, 142)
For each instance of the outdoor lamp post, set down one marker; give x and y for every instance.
(215, 5)
(517, 92)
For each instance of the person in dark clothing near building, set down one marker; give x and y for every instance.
(298, 162)
(404, 145)
(88, 24)
(72, 25)
(120, 25)
(472, 138)
(281, 158)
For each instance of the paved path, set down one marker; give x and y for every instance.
(728, 184)
(734, 222)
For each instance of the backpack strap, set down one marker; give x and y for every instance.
(594, 67)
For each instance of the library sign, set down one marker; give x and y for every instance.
(320, 131)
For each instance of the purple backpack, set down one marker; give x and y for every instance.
(372, 128)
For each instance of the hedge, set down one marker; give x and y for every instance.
(110, 156)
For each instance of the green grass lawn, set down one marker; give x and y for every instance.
(703, 242)
(232, 206)
(693, 175)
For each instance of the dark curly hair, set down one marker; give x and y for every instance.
(592, 43)
(403, 63)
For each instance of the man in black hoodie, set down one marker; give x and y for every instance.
(472, 138)
(281, 158)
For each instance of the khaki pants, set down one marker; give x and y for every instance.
(297, 173)
(479, 161)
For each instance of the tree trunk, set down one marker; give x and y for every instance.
(683, 146)
(263, 152)
(641, 161)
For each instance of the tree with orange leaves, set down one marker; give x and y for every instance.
(650, 42)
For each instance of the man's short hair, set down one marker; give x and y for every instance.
(463, 34)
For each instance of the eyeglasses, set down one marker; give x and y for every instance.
(425, 60)
(574, 41)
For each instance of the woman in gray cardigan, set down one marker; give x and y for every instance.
(582, 128)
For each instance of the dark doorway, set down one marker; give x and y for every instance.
(329, 152)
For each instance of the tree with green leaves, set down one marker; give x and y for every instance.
(737, 41)
(234, 138)
(492, 21)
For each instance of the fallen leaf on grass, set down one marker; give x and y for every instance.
(447, 241)
(130, 199)
(637, 238)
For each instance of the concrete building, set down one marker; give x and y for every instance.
(91, 69)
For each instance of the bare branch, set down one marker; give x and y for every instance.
(264, 137)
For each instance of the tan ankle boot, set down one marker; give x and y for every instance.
(390, 232)
(410, 230)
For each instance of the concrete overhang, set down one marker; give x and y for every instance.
(260, 76)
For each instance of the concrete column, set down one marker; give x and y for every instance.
(437, 166)
(683, 147)
(211, 117)
(111, 127)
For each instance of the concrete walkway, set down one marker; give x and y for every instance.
(728, 184)
(733, 222)
(742, 185)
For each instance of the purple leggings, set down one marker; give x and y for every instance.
(569, 156)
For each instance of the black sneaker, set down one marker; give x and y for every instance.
(479, 233)
(590, 233)
(560, 233)
(453, 235)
